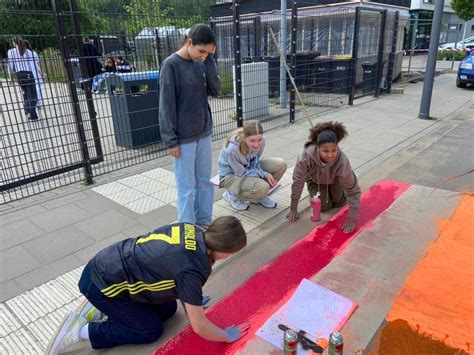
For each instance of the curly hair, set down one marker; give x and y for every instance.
(337, 128)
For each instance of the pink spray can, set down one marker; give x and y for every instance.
(316, 207)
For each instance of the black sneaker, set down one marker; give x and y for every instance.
(32, 116)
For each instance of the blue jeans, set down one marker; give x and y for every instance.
(98, 79)
(192, 172)
(128, 322)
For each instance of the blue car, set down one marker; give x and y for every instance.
(466, 71)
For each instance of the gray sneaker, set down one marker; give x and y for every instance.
(234, 202)
(266, 202)
(67, 336)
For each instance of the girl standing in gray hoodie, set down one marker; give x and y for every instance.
(326, 169)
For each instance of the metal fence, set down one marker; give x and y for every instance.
(276, 66)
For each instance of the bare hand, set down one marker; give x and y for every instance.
(271, 180)
(235, 332)
(174, 152)
(349, 226)
(293, 216)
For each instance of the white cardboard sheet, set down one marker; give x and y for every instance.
(313, 309)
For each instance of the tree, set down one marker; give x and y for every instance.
(464, 9)
(146, 14)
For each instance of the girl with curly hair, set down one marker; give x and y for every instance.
(326, 169)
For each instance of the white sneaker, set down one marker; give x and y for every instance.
(234, 202)
(67, 334)
(266, 202)
(89, 312)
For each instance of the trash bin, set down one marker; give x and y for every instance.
(322, 75)
(369, 76)
(340, 76)
(134, 100)
(305, 70)
(273, 75)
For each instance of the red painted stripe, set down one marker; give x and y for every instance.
(260, 296)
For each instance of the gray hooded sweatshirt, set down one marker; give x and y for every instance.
(184, 114)
(309, 165)
(233, 162)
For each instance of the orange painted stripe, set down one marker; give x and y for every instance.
(438, 297)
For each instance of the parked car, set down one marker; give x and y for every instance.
(466, 71)
(467, 43)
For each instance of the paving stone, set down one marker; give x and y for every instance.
(145, 204)
(58, 217)
(158, 217)
(8, 322)
(110, 188)
(9, 289)
(55, 245)
(151, 187)
(49, 271)
(105, 224)
(96, 204)
(134, 180)
(167, 195)
(18, 232)
(63, 200)
(16, 261)
(18, 214)
(126, 196)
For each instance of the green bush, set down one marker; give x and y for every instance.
(227, 84)
(52, 65)
(448, 55)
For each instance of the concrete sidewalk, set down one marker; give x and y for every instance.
(45, 242)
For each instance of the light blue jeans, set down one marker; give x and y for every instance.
(192, 172)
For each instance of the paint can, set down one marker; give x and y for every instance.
(290, 342)
(336, 343)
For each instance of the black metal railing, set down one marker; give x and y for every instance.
(276, 66)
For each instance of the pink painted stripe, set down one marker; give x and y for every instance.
(262, 294)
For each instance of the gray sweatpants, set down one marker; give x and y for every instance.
(250, 188)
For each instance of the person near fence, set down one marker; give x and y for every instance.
(243, 172)
(327, 170)
(108, 69)
(90, 60)
(21, 67)
(38, 74)
(135, 284)
(123, 66)
(186, 79)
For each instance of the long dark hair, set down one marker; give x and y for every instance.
(326, 132)
(20, 44)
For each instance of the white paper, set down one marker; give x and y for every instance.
(277, 186)
(313, 309)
